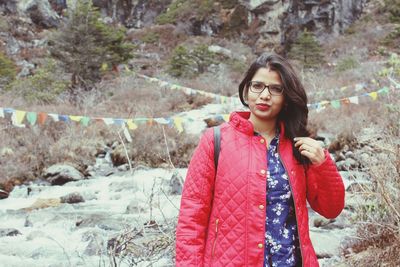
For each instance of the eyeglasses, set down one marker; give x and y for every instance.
(258, 87)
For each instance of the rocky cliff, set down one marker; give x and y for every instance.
(260, 23)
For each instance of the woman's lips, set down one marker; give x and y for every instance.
(262, 107)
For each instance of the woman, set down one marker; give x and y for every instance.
(252, 211)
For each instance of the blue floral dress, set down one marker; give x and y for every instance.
(281, 237)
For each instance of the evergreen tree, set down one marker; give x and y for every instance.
(307, 50)
(84, 44)
(189, 63)
(8, 71)
(393, 7)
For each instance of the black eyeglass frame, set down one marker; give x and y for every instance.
(250, 83)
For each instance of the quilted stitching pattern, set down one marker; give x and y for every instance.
(240, 188)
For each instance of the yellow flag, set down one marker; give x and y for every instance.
(75, 118)
(226, 117)
(178, 124)
(131, 124)
(374, 95)
(104, 66)
(19, 116)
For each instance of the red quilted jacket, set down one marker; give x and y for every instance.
(229, 228)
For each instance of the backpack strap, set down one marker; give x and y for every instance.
(217, 146)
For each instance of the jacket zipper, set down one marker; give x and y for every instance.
(215, 239)
(294, 203)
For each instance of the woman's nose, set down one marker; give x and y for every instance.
(265, 94)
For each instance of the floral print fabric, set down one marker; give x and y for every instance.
(281, 237)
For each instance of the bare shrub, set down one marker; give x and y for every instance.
(378, 216)
(134, 97)
(27, 151)
(149, 148)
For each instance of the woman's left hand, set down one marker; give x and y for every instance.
(311, 149)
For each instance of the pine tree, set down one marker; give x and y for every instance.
(85, 44)
(307, 50)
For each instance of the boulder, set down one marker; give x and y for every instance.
(176, 184)
(135, 207)
(101, 221)
(96, 244)
(40, 13)
(9, 232)
(3, 194)
(60, 174)
(72, 198)
(43, 203)
(9, 6)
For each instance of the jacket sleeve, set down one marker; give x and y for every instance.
(325, 188)
(196, 204)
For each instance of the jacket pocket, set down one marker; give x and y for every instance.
(215, 239)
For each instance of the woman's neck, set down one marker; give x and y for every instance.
(265, 128)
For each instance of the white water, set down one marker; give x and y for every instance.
(52, 238)
(66, 235)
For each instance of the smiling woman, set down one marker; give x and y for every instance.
(252, 210)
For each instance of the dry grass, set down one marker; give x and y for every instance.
(378, 216)
(149, 147)
(26, 152)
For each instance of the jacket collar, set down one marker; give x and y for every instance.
(240, 121)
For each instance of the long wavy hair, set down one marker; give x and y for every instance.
(294, 114)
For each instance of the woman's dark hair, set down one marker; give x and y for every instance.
(294, 115)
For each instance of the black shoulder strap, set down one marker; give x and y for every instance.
(217, 146)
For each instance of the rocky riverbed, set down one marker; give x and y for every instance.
(123, 217)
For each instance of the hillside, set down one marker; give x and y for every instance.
(124, 86)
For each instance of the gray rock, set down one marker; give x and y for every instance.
(102, 221)
(364, 157)
(347, 164)
(123, 167)
(255, 5)
(35, 234)
(123, 186)
(40, 13)
(277, 22)
(28, 222)
(60, 174)
(341, 165)
(350, 154)
(9, 232)
(220, 50)
(321, 221)
(346, 148)
(3, 194)
(135, 207)
(176, 184)
(354, 175)
(13, 47)
(96, 243)
(105, 170)
(72, 198)
(327, 243)
(9, 6)
(367, 149)
(26, 68)
(341, 156)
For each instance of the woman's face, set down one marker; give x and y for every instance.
(263, 105)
